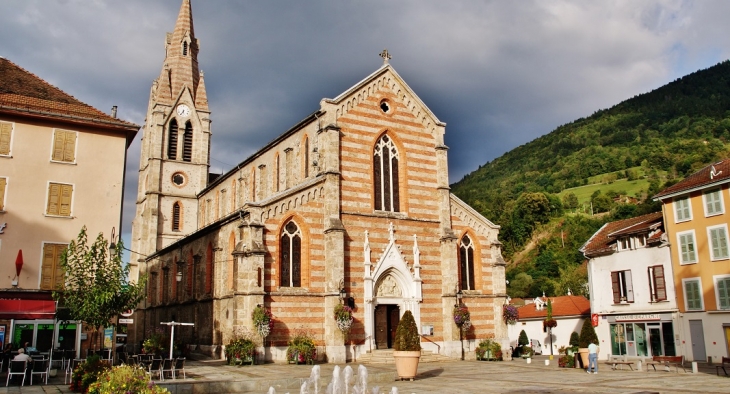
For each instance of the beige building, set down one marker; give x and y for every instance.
(61, 168)
(351, 204)
(696, 217)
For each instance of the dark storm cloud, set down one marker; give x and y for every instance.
(499, 73)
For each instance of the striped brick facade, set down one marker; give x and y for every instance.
(320, 175)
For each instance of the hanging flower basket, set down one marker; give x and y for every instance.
(343, 317)
(550, 323)
(462, 318)
(263, 321)
(510, 314)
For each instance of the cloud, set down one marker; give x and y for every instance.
(498, 72)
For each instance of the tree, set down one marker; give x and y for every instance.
(520, 286)
(97, 286)
(523, 340)
(587, 334)
(570, 201)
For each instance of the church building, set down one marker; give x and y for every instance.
(350, 205)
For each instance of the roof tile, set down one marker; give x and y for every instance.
(562, 306)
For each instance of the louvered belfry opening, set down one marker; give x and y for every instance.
(172, 140)
(188, 142)
(176, 216)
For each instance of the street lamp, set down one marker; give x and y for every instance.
(343, 292)
(459, 295)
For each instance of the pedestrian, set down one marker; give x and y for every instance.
(593, 358)
(6, 356)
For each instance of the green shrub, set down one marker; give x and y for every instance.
(573, 339)
(587, 334)
(125, 379)
(523, 340)
(489, 345)
(406, 335)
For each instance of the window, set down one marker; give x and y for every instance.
(51, 270)
(59, 199)
(682, 211)
(291, 256)
(722, 288)
(188, 142)
(306, 157)
(621, 285)
(718, 242)
(172, 140)
(657, 285)
(152, 297)
(3, 186)
(185, 48)
(692, 294)
(385, 167)
(6, 131)
(625, 243)
(64, 146)
(466, 257)
(687, 253)
(713, 203)
(176, 211)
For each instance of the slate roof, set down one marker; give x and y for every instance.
(604, 240)
(563, 306)
(24, 93)
(702, 179)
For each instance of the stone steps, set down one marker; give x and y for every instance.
(385, 356)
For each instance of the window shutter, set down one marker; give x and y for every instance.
(692, 292)
(722, 251)
(615, 287)
(47, 269)
(188, 142)
(58, 274)
(723, 292)
(69, 147)
(5, 132)
(54, 197)
(660, 287)
(66, 194)
(629, 287)
(3, 182)
(58, 143)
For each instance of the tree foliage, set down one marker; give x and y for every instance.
(97, 287)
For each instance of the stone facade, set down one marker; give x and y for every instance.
(313, 191)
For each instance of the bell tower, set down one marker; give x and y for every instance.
(174, 161)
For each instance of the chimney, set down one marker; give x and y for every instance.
(114, 111)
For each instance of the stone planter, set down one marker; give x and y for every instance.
(583, 357)
(406, 363)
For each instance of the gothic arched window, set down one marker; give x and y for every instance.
(385, 168)
(188, 142)
(466, 257)
(176, 212)
(291, 256)
(172, 140)
(185, 48)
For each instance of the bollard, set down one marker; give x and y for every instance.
(638, 365)
(547, 362)
(694, 367)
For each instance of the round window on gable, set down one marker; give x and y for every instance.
(385, 106)
(178, 179)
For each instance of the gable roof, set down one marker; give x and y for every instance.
(563, 306)
(24, 93)
(603, 241)
(712, 175)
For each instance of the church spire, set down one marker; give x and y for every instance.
(181, 60)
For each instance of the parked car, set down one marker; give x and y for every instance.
(536, 346)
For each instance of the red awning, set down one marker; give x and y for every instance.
(27, 309)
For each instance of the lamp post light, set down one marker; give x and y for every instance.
(343, 292)
(459, 296)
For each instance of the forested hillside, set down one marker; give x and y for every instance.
(659, 137)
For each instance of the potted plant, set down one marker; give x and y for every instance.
(522, 342)
(587, 336)
(566, 361)
(527, 353)
(407, 347)
(242, 349)
(154, 344)
(488, 349)
(573, 344)
(301, 349)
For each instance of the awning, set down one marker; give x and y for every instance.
(27, 309)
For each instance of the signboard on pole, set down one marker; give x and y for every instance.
(108, 336)
(126, 321)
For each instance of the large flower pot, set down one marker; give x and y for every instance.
(583, 357)
(406, 363)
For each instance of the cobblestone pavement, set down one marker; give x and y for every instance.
(444, 377)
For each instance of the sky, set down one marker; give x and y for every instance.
(498, 73)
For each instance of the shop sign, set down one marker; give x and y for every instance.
(644, 317)
(126, 321)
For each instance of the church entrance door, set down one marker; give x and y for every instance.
(386, 322)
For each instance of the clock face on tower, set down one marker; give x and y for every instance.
(183, 110)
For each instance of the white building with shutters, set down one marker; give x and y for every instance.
(632, 288)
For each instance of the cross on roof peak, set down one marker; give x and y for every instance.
(385, 55)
